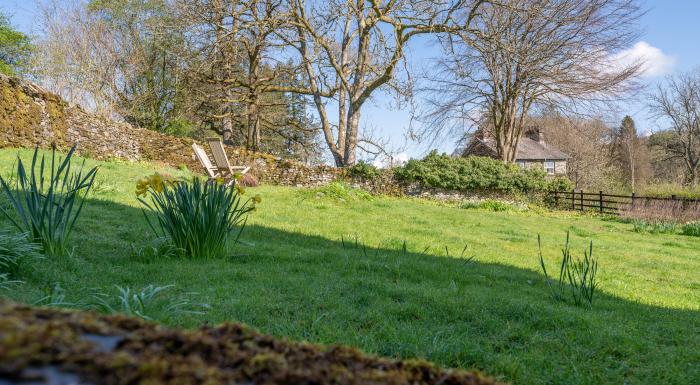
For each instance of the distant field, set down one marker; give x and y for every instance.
(319, 269)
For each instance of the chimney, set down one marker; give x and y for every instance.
(540, 135)
(536, 134)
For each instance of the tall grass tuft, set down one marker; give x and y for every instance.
(15, 249)
(145, 303)
(691, 228)
(577, 277)
(47, 199)
(196, 216)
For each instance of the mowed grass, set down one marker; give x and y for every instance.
(323, 270)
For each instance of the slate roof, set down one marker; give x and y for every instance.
(528, 149)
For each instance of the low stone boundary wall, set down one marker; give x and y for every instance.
(51, 346)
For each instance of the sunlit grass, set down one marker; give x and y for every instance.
(293, 276)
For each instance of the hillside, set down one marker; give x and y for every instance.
(319, 266)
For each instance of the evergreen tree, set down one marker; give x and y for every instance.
(630, 153)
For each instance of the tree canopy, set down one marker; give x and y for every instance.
(15, 48)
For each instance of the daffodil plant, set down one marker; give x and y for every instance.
(200, 218)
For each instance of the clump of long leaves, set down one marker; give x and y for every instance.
(577, 277)
(15, 249)
(197, 216)
(145, 303)
(47, 199)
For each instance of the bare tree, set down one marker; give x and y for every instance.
(349, 50)
(69, 60)
(235, 54)
(521, 55)
(586, 141)
(678, 104)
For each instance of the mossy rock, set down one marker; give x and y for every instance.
(42, 345)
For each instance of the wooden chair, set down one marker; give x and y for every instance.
(204, 160)
(221, 160)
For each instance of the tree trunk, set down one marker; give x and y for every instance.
(351, 137)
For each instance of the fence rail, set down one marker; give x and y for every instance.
(608, 203)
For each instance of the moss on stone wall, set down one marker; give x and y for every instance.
(31, 116)
(45, 345)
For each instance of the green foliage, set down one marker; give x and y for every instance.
(363, 170)
(669, 189)
(103, 186)
(145, 302)
(154, 250)
(654, 227)
(491, 205)
(576, 277)
(471, 174)
(48, 200)
(15, 250)
(15, 48)
(559, 183)
(197, 216)
(339, 191)
(55, 296)
(692, 229)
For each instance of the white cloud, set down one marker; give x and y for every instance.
(656, 62)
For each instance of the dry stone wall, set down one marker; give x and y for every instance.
(32, 116)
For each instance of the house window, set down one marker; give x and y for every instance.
(549, 167)
(520, 163)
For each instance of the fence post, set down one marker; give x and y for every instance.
(582, 200)
(556, 199)
(633, 196)
(573, 199)
(601, 201)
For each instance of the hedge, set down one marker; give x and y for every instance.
(476, 174)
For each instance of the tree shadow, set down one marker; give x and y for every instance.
(395, 302)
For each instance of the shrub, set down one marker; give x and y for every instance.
(580, 274)
(15, 249)
(471, 174)
(691, 228)
(196, 216)
(363, 170)
(48, 199)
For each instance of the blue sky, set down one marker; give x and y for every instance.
(670, 43)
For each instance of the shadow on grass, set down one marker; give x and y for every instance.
(389, 301)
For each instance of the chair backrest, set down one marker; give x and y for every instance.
(220, 158)
(204, 160)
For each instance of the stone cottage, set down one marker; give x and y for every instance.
(532, 152)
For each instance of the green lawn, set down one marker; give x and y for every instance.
(293, 277)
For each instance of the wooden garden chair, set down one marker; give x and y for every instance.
(223, 166)
(204, 160)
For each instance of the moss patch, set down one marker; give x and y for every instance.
(42, 343)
